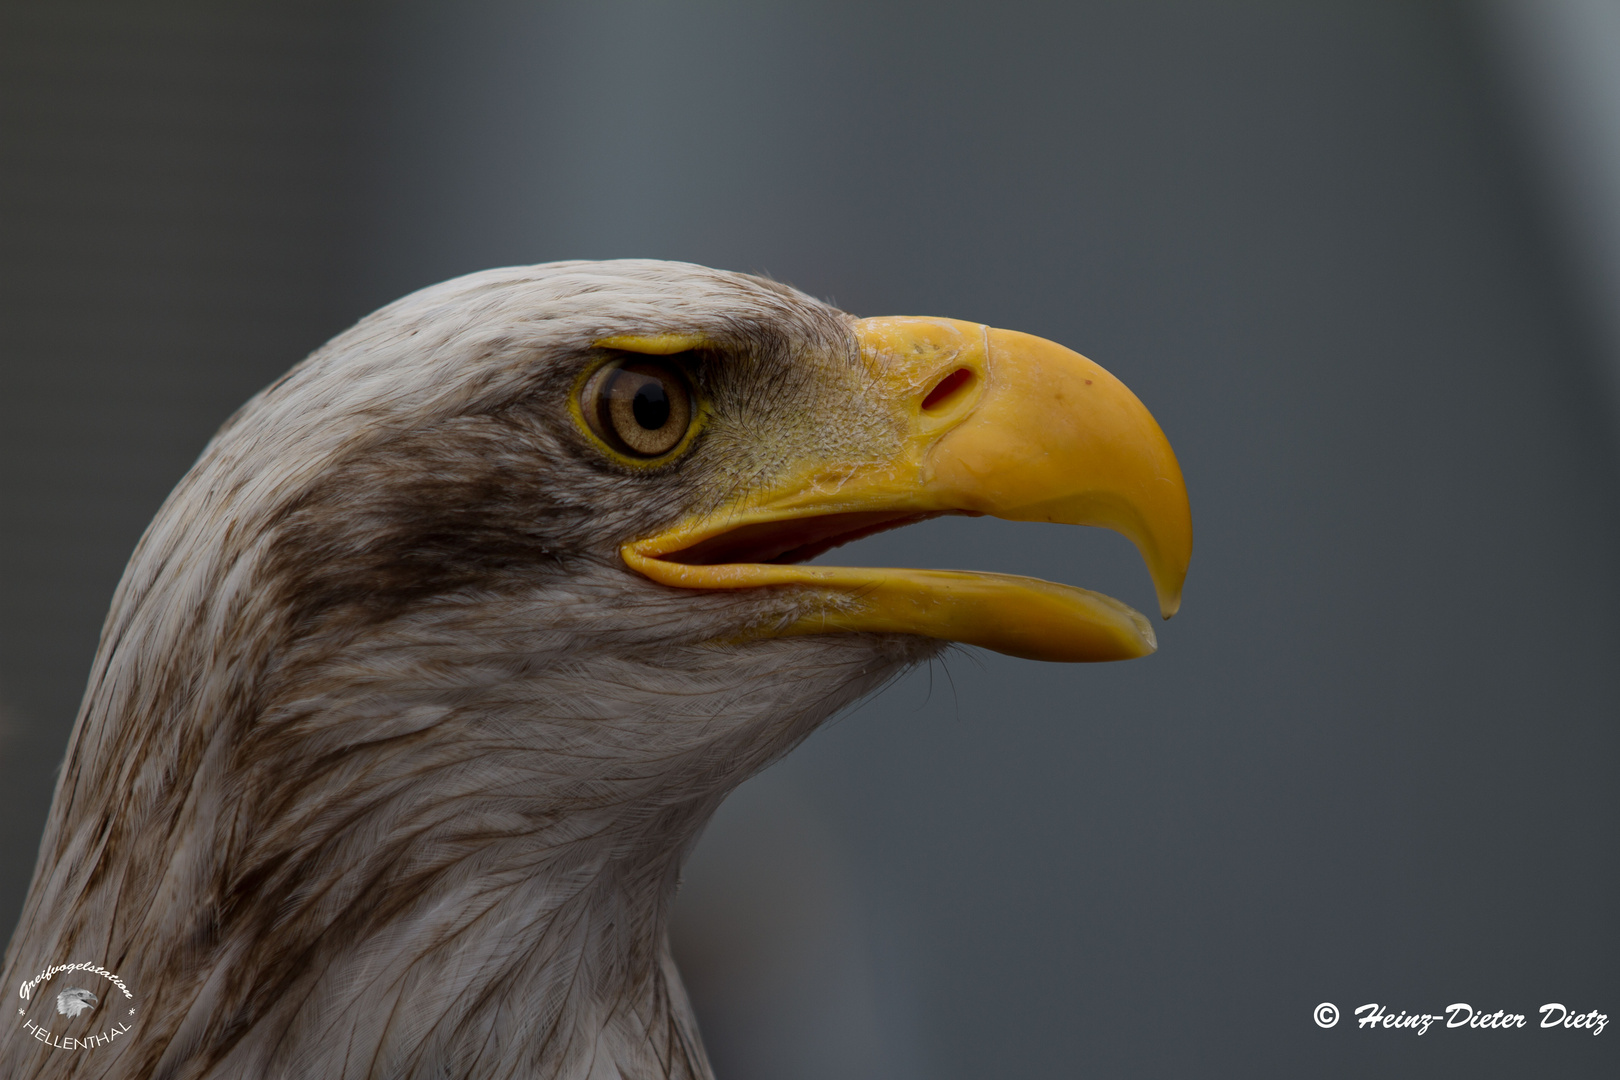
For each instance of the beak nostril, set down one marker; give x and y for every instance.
(947, 388)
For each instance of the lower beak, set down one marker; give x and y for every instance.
(991, 422)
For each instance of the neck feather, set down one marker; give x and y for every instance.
(442, 844)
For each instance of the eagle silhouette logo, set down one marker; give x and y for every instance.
(73, 1001)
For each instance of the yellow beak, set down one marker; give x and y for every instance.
(990, 422)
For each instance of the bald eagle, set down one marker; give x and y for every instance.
(423, 682)
(74, 1000)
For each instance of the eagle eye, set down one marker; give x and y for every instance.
(641, 408)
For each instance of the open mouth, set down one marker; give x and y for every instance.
(796, 540)
(1019, 616)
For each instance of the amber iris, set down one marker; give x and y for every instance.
(642, 408)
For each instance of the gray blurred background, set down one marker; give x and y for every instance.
(1359, 256)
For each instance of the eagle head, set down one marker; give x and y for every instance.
(426, 677)
(74, 1000)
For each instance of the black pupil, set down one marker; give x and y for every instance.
(650, 406)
